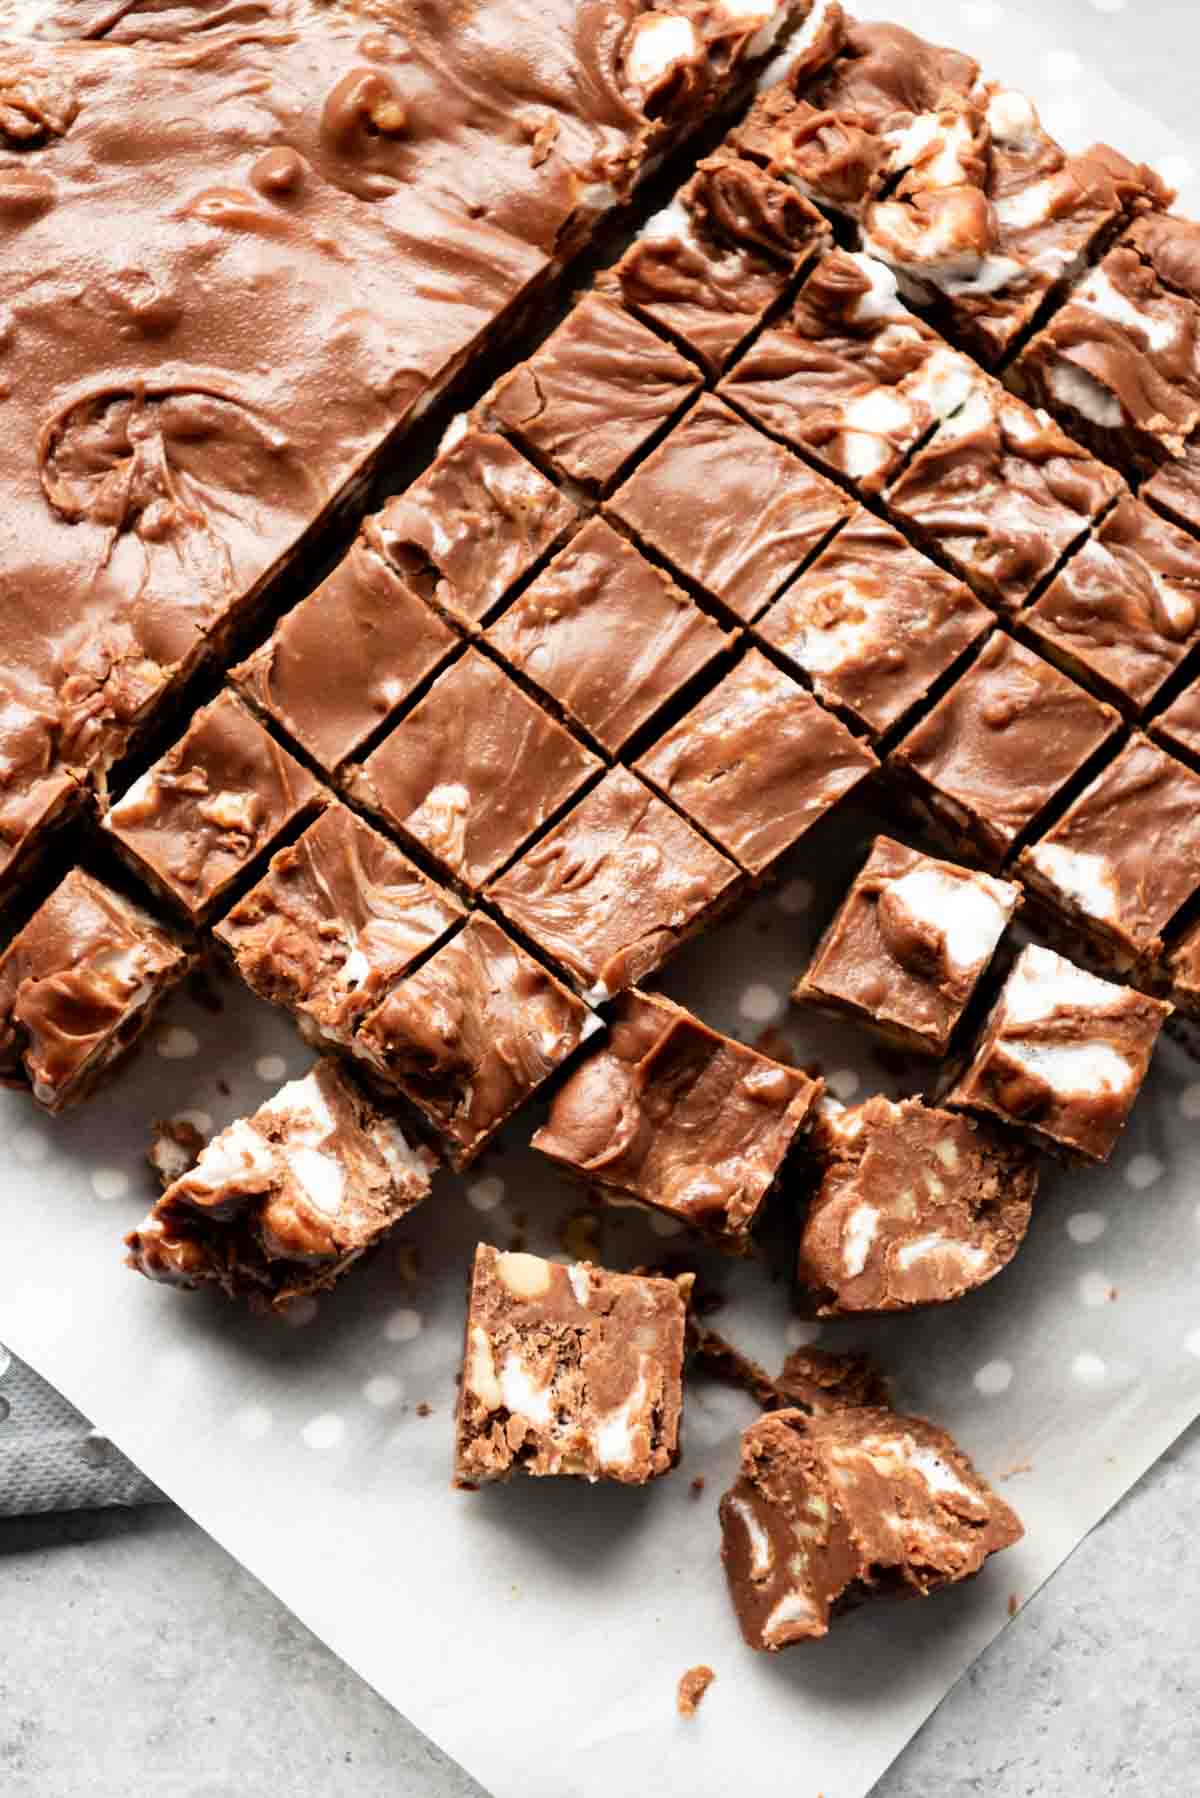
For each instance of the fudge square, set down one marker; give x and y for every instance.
(1062, 1056)
(912, 1206)
(850, 1505)
(338, 917)
(671, 1113)
(615, 887)
(569, 1370)
(1178, 728)
(78, 985)
(998, 747)
(473, 771)
(729, 508)
(280, 1204)
(908, 946)
(215, 803)
(757, 763)
(472, 1033)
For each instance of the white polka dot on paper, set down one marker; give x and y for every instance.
(993, 1377)
(1142, 1171)
(1189, 1100)
(1089, 1370)
(1191, 1343)
(325, 1431)
(487, 1193)
(30, 1146)
(403, 1325)
(801, 1332)
(178, 1043)
(110, 1182)
(1086, 1226)
(843, 1083)
(383, 1389)
(1062, 65)
(1095, 1287)
(253, 1422)
(300, 1313)
(795, 896)
(663, 1224)
(270, 1067)
(199, 1120)
(759, 1003)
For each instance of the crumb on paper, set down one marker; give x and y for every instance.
(1014, 1604)
(406, 1261)
(579, 1235)
(722, 1361)
(424, 1409)
(1016, 1467)
(824, 1380)
(223, 1086)
(175, 1147)
(697, 1486)
(692, 1687)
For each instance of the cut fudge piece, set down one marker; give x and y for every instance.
(476, 522)
(216, 802)
(569, 1370)
(1005, 740)
(616, 887)
(729, 508)
(1178, 728)
(757, 763)
(908, 946)
(855, 1504)
(1001, 495)
(1125, 858)
(335, 921)
(1179, 977)
(678, 1117)
(34, 807)
(473, 771)
(850, 375)
(607, 636)
(1062, 1056)
(345, 657)
(78, 985)
(472, 1034)
(912, 1206)
(593, 395)
(822, 1380)
(873, 624)
(1174, 488)
(280, 1204)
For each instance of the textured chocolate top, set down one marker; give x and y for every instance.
(472, 1033)
(615, 887)
(873, 624)
(337, 918)
(607, 635)
(729, 508)
(1179, 726)
(1182, 968)
(1174, 488)
(908, 945)
(473, 771)
(757, 763)
(672, 1113)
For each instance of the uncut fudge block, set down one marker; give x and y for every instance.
(473, 771)
(607, 636)
(78, 985)
(729, 508)
(1000, 495)
(908, 946)
(472, 1034)
(1005, 740)
(1125, 858)
(1178, 728)
(215, 803)
(873, 624)
(615, 888)
(1062, 1056)
(280, 1204)
(678, 1117)
(912, 1206)
(569, 1370)
(854, 1504)
(757, 763)
(339, 916)
(593, 395)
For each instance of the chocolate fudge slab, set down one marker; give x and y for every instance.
(280, 1204)
(757, 763)
(473, 771)
(472, 1034)
(856, 1504)
(1062, 1056)
(908, 946)
(616, 887)
(728, 508)
(1178, 728)
(569, 1370)
(339, 916)
(1124, 859)
(912, 1206)
(873, 624)
(676, 1116)
(79, 983)
(216, 802)
(1004, 741)
(608, 636)
(593, 395)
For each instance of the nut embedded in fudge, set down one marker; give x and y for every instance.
(671, 1113)
(908, 945)
(912, 1206)
(279, 1205)
(1062, 1057)
(569, 1370)
(855, 1504)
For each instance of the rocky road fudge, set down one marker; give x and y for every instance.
(1178, 727)
(569, 1370)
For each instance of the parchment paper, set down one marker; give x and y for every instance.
(537, 1632)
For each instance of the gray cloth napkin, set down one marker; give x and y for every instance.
(50, 1458)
